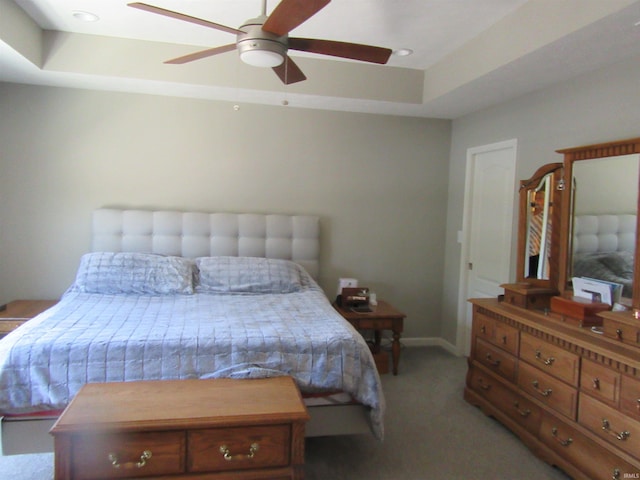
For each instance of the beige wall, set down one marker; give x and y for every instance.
(377, 182)
(597, 107)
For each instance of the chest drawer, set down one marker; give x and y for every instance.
(496, 359)
(600, 382)
(568, 442)
(238, 448)
(127, 455)
(610, 424)
(621, 331)
(550, 358)
(549, 390)
(630, 397)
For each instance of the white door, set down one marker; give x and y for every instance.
(490, 191)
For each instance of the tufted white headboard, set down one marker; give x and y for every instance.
(195, 234)
(604, 233)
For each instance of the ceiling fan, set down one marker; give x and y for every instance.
(264, 41)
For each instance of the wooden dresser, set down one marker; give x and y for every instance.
(191, 429)
(570, 394)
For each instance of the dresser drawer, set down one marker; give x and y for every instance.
(600, 382)
(504, 336)
(630, 397)
(238, 448)
(127, 455)
(495, 359)
(583, 452)
(521, 410)
(550, 358)
(547, 389)
(610, 424)
(484, 327)
(621, 331)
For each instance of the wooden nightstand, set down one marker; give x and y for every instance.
(224, 428)
(21, 311)
(384, 317)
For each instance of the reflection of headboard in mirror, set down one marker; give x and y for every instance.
(599, 196)
(603, 248)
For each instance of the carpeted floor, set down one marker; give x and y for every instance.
(431, 433)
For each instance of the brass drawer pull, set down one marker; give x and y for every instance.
(484, 386)
(544, 393)
(622, 436)
(547, 361)
(616, 474)
(618, 334)
(493, 363)
(228, 457)
(596, 384)
(115, 462)
(523, 413)
(564, 443)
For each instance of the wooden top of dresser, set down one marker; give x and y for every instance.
(170, 404)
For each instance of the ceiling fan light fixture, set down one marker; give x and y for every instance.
(261, 58)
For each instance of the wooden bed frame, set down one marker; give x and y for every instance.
(195, 234)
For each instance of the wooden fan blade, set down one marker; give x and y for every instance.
(291, 13)
(182, 16)
(354, 51)
(289, 72)
(209, 52)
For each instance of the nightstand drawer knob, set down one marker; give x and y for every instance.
(115, 462)
(228, 457)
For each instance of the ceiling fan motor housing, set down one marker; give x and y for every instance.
(258, 47)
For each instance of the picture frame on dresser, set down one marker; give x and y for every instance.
(562, 373)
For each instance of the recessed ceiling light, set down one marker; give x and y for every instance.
(85, 16)
(403, 52)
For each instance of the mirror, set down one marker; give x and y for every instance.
(600, 223)
(539, 219)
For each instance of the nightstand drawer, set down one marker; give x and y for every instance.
(550, 358)
(238, 448)
(127, 455)
(8, 326)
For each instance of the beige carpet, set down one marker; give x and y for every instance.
(431, 433)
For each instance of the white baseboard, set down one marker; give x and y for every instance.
(430, 342)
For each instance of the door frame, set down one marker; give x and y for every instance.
(463, 335)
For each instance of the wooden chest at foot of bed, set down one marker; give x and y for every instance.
(240, 429)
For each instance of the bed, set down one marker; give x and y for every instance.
(603, 248)
(177, 295)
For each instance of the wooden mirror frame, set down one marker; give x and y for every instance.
(588, 152)
(555, 169)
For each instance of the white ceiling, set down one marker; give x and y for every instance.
(468, 54)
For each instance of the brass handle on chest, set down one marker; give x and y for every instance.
(544, 393)
(115, 462)
(547, 361)
(564, 443)
(622, 436)
(226, 453)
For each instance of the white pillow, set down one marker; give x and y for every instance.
(247, 275)
(134, 273)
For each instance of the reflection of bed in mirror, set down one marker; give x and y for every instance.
(603, 248)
